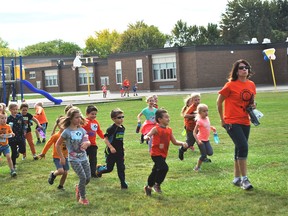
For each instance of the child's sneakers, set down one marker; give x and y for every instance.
(13, 173)
(51, 178)
(84, 201)
(197, 169)
(245, 184)
(147, 190)
(157, 188)
(124, 186)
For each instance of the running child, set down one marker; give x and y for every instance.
(162, 135)
(17, 143)
(56, 125)
(76, 143)
(114, 151)
(41, 117)
(92, 127)
(5, 133)
(28, 118)
(201, 133)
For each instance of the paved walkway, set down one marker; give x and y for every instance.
(114, 96)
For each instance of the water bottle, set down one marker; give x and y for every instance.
(41, 132)
(216, 138)
(138, 127)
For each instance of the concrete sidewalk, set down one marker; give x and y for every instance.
(115, 96)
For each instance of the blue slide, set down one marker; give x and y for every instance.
(44, 93)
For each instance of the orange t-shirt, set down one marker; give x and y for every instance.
(53, 141)
(190, 122)
(40, 115)
(93, 127)
(161, 141)
(237, 97)
(5, 129)
(126, 83)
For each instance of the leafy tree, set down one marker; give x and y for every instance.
(140, 36)
(103, 44)
(184, 35)
(4, 49)
(55, 47)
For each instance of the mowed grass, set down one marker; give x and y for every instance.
(185, 192)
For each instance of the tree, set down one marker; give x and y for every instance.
(103, 44)
(4, 49)
(140, 36)
(55, 47)
(184, 35)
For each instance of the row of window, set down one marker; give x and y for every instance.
(164, 69)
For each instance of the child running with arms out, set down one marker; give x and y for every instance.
(40, 115)
(114, 151)
(5, 133)
(201, 133)
(162, 135)
(149, 123)
(92, 127)
(189, 113)
(76, 142)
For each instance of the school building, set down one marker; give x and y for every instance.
(166, 69)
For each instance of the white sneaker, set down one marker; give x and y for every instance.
(245, 184)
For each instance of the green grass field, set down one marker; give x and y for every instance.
(185, 192)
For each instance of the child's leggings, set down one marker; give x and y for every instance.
(159, 171)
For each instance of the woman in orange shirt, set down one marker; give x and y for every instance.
(238, 94)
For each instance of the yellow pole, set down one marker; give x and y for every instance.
(88, 81)
(272, 70)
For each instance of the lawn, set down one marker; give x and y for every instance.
(185, 192)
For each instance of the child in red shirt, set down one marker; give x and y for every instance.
(92, 127)
(162, 135)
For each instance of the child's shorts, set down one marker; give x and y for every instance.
(5, 149)
(58, 165)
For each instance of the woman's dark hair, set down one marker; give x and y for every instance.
(233, 75)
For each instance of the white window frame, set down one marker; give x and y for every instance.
(32, 75)
(104, 80)
(51, 78)
(164, 67)
(118, 72)
(139, 71)
(83, 76)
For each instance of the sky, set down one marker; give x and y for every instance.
(27, 22)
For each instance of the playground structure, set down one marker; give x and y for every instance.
(10, 75)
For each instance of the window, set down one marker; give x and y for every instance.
(32, 75)
(164, 67)
(104, 80)
(51, 78)
(118, 67)
(83, 76)
(139, 71)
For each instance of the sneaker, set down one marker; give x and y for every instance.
(147, 190)
(77, 194)
(83, 201)
(38, 142)
(237, 183)
(157, 188)
(181, 153)
(60, 187)
(51, 178)
(245, 184)
(24, 158)
(207, 160)
(124, 186)
(13, 173)
(44, 141)
(197, 169)
(35, 157)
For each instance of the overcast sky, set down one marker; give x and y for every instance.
(26, 22)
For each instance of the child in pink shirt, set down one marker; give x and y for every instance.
(201, 133)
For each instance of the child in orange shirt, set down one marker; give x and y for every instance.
(92, 127)
(60, 169)
(41, 117)
(5, 133)
(201, 133)
(162, 135)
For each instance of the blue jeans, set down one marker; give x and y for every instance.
(239, 135)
